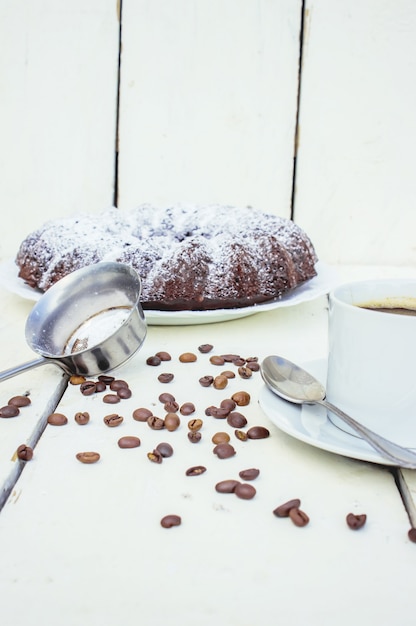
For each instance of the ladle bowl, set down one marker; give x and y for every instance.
(87, 323)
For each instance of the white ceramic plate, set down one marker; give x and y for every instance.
(309, 423)
(317, 286)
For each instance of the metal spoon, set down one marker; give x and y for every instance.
(292, 383)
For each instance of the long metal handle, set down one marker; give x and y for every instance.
(392, 451)
(19, 369)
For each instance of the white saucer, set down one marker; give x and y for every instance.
(309, 423)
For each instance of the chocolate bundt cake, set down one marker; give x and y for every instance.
(188, 257)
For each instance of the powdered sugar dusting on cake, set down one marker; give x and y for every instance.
(187, 256)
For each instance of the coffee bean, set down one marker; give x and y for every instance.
(258, 432)
(245, 491)
(195, 424)
(171, 407)
(87, 388)
(155, 423)
(356, 522)
(106, 379)
(230, 358)
(24, 453)
(253, 365)
(187, 408)
(220, 438)
(217, 360)
(141, 414)
(239, 362)
(124, 393)
(283, 509)
(88, 457)
(113, 420)
(224, 450)
(82, 418)
(205, 348)
(218, 412)
(228, 374)
(9, 411)
(115, 385)
(241, 435)
(100, 386)
(241, 398)
(196, 470)
(57, 419)
(165, 377)
(163, 356)
(249, 474)
(155, 456)
(165, 449)
(77, 380)
(245, 372)
(170, 520)
(412, 535)
(220, 382)
(111, 398)
(166, 397)
(226, 486)
(154, 360)
(19, 401)
(298, 517)
(172, 421)
(236, 420)
(129, 441)
(194, 436)
(206, 381)
(227, 404)
(187, 357)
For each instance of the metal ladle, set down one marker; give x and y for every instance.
(292, 383)
(88, 323)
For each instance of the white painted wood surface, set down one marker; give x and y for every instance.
(355, 185)
(208, 102)
(58, 81)
(83, 544)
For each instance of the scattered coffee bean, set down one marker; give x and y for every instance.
(196, 470)
(154, 360)
(165, 377)
(230, 358)
(227, 404)
(113, 420)
(220, 437)
(87, 388)
(239, 362)
(298, 517)
(245, 491)
(77, 380)
(224, 450)
(170, 520)
(163, 356)
(253, 365)
(129, 441)
(155, 456)
(355, 522)
(195, 424)
(245, 372)
(205, 348)
(82, 418)
(283, 509)
(88, 457)
(220, 382)
(166, 397)
(155, 423)
(100, 386)
(141, 414)
(19, 401)
(236, 420)
(124, 393)
(226, 486)
(106, 379)
(412, 535)
(228, 374)
(9, 411)
(241, 435)
(187, 408)
(258, 432)
(115, 385)
(165, 449)
(111, 398)
(241, 398)
(206, 381)
(172, 421)
(216, 360)
(194, 436)
(24, 453)
(57, 419)
(171, 407)
(187, 357)
(249, 474)
(218, 412)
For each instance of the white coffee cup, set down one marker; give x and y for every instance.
(372, 356)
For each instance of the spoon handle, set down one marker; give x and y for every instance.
(399, 455)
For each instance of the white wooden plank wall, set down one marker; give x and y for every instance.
(208, 111)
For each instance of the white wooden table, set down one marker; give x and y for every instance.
(83, 544)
